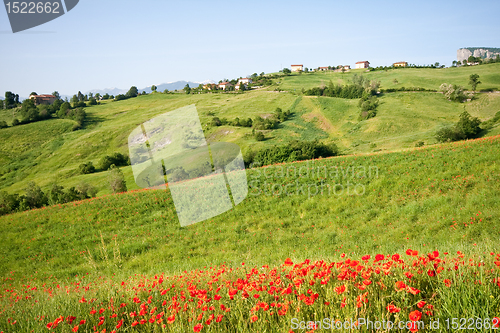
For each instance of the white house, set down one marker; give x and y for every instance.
(244, 80)
(297, 68)
(362, 64)
(224, 85)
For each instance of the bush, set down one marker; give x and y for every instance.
(86, 168)
(116, 180)
(419, 144)
(294, 151)
(466, 128)
(34, 197)
(215, 122)
(259, 136)
(454, 93)
(15, 122)
(117, 159)
(3, 124)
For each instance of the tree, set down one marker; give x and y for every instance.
(33, 93)
(81, 98)
(132, 92)
(343, 70)
(93, 101)
(106, 96)
(35, 198)
(116, 180)
(474, 81)
(153, 88)
(286, 71)
(10, 100)
(56, 94)
(468, 125)
(187, 89)
(3, 124)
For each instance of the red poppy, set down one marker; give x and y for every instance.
(415, 315)
(197, 328)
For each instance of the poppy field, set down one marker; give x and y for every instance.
(405, 237)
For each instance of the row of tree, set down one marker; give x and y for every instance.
(293, 151)
(359, 87)
(34, 197)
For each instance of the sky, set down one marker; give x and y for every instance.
(105, 44)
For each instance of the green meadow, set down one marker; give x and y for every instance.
(49, 151)
(382, 197)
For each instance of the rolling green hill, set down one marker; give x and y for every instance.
(89, 265)
(48, 151)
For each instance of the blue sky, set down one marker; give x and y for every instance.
(103, 44)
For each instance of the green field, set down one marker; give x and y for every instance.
(383, 198)
(428, 78)
(49, 151)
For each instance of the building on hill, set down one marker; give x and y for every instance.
(210, 86)
(43, 99)
(322, 68)
(225, 85)
(297, 68)
(400, 64)
(244, 80)
(348, 67)
(362, 64)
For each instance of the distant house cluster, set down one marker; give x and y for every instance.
(343, 68)
(228, 85)
(43, 99)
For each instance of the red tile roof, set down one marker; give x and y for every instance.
(362, 62)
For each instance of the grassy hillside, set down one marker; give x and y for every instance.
(47, 151)
(428, 78)
(86, 257)
(443, 196)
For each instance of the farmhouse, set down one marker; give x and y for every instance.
(297, 68)
(244, 80)
(347, 67)
(225, 85)
(400, 64)
(43, 99)
(322, 68)
(362, 64)
(210, 86)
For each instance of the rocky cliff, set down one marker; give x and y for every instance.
(481, 52)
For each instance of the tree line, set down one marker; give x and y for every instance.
(35, 197)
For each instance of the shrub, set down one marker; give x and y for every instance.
(86, 168)
(15, 122)
(86, 190)
(466, 128)
(117, 159)
(294, 151)
(34, 197)
(259, 136)
(116, 180)
(419, 144)
(454, 93)
(3, 124)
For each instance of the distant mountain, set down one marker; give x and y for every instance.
(159, 87)
(480, 52)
